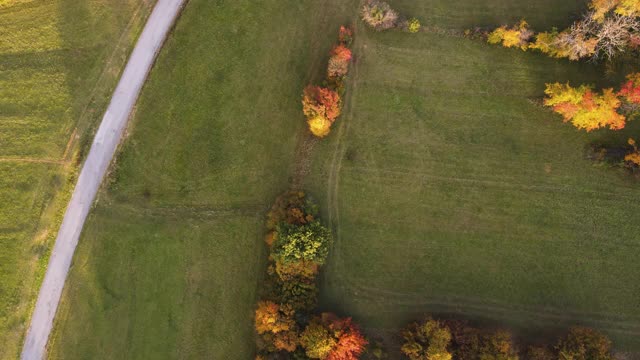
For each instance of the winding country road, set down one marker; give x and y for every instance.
(102, 150)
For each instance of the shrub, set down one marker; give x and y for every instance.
(428, 340)
(584, 344)
(379, 15)
(516, 36)
(309, 243)
(345, 36)
(413, 25)
(584, 108)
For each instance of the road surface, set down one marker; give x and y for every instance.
(102, 150)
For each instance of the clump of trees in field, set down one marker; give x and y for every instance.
(323, 104)
(587, 109)
(284, 320)
(454, 339)
(610, 28)
(380, 16)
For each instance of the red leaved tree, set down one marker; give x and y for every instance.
(320, 101)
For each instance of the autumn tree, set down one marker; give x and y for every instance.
(321, 106)
(339, 59)
(629, 8)
(576, 42)
(276, 325)
(600, 8)
(319, 101)
(309, 242)
(516, 36)
(317, 340)
(584, 344)
(332, 338)
(350, 342)
(498, 346)
(631, 89)
(292, 207)
(270, 317)
(584, 108)
(633, 157)
(428, 340)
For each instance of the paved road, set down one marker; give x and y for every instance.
(102, 151)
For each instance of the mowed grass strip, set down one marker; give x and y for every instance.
(211, 145)
(59, 60)
(453, 192)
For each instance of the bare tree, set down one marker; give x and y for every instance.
(614, 34)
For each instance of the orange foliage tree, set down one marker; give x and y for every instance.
(634, 156)
(321, 106)
(270, 317)
(277, 327)
(339, 62)
(584, 108)
(631, 89)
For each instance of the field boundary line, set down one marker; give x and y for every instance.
(103, 148)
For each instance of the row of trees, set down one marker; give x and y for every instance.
(452, 339)
(380, 16)
(610, 28)
(286, 325)
(323, 104)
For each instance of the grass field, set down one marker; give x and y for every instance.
(58, 62)
(452, 193)
(169, 263)
(449, 190)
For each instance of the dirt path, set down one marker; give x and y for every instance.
(102, 150)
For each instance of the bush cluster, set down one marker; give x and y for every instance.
(453, 339)
(322, 105)
(610, 28)
(284, 321)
